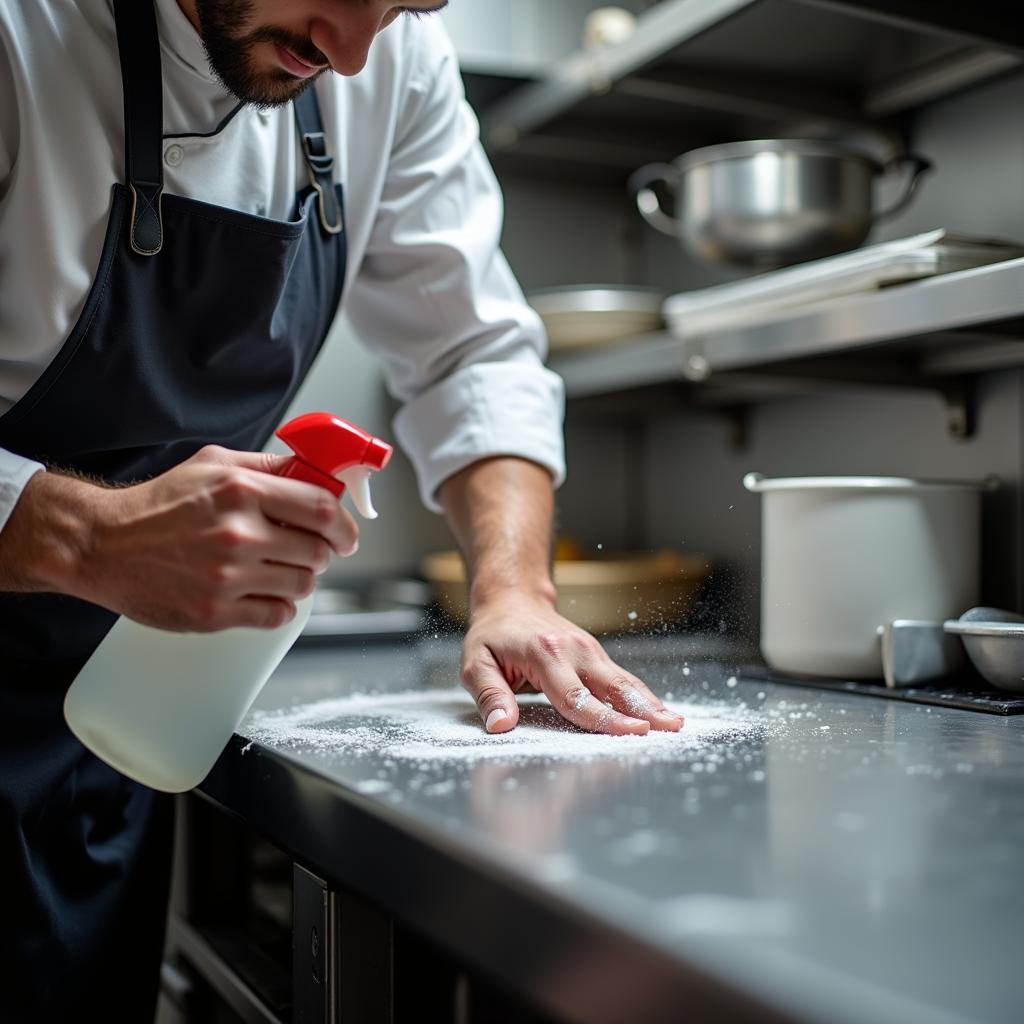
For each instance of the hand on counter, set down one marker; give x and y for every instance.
(500, 510)
(515, 640)
(216, 542)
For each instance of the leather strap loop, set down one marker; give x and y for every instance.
(138, 46)
(319, 162)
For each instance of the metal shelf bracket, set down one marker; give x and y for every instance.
(960, 398)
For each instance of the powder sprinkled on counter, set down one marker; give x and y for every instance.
(443, 725)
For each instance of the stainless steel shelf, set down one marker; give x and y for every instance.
(957, 323)
(660, 30)
(702, 71)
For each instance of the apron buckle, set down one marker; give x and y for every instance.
(320, 163)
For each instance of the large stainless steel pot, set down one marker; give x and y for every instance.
(771, 202)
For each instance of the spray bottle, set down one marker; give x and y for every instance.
(159, 706)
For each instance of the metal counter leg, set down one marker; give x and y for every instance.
(342, 956)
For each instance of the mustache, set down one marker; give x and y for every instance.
(302, 48)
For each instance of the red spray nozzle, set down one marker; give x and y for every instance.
(326, 445)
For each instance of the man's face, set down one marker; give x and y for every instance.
(267, 51)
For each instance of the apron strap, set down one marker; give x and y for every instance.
(138, 45)
(319, 161)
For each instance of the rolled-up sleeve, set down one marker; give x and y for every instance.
(15, 472)
(436, 300)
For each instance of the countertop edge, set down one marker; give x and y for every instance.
(568, 962)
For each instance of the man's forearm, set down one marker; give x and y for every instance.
(501, 511)
(42, 542)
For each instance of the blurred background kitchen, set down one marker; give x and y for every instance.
(573, 100)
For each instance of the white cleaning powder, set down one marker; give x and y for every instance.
(443, 725)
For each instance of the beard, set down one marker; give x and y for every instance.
(230, 52)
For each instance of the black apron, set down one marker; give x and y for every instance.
(199, 327)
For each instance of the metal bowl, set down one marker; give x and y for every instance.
(597, 314)
(994, 641)
(770, 202)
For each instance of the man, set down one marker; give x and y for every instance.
(188, 190)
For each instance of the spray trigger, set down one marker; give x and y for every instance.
(357, 482)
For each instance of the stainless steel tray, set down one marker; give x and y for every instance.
(380, 609)
(779, 293)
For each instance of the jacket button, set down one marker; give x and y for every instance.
(173, 155)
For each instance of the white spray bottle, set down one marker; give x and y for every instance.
(159, 706)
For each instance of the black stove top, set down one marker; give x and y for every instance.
(966, 693)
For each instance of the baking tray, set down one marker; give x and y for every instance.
(764, 296)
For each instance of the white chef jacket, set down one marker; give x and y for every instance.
(427, 287)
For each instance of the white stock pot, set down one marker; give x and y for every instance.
(843, 555)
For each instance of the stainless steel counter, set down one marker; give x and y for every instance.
(856, 860)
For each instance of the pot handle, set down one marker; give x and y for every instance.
(918, 166)
(752, 482)
(647, 201)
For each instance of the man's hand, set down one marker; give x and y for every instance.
(500, 510)
(515, 641)
(218, 541)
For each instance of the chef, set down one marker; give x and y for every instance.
(189, 191)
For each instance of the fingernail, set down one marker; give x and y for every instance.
(495, 716)
(353, 549)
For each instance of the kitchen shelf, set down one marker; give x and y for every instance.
(931, 333)
(697, 72)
